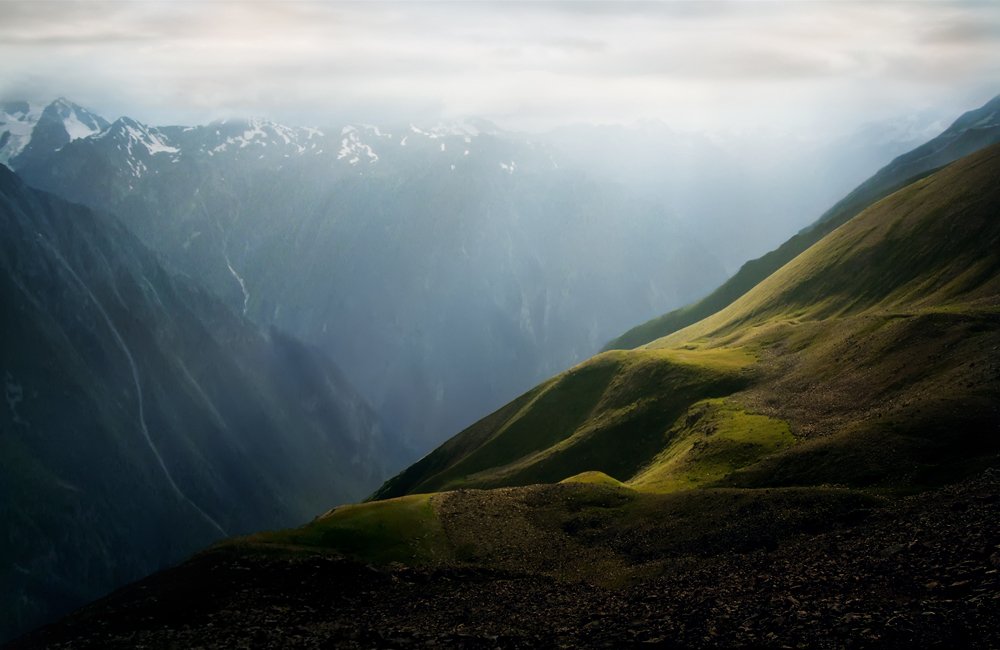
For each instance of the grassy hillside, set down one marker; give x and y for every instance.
(971, 132)
(929, 247)
(865, 370)
(588, 418)
(813, 466)
(868, 360)
(591, 530)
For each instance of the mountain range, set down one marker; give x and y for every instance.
(813, 463)
(492, 249)
(414, 258)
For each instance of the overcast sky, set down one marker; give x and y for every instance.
(694, 65)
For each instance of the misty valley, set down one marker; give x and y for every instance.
(447, 383)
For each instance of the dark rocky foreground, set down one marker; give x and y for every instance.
(922, 572)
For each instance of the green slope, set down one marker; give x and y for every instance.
(866, 368)
(598, 532)
(588, 418)
(932, 246)
(868, 360)
(971, 132)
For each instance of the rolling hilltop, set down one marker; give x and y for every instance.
(812, 465)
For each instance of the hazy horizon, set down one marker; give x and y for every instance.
(804, 68)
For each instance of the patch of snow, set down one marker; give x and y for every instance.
(464, 129)
(156, 144)
(353, 148)
(151, 138)
(76, 128)
(239, 279)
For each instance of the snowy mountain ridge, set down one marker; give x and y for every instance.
(359, 145)
(32, 132)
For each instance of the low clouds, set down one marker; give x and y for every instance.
(703, 65)
(966, 31)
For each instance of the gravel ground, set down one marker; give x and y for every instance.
(923, 571)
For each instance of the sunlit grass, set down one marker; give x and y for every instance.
(712, 441)
(405, 529)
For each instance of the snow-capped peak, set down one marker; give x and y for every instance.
(36, 131)
(76, 120)
(139, 143)
(137, 133)
(235, 135)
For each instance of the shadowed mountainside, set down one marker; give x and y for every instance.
(142, 418)
(413, 256)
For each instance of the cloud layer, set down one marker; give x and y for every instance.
(702, 65)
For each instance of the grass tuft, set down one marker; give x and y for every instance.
(593, 478)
